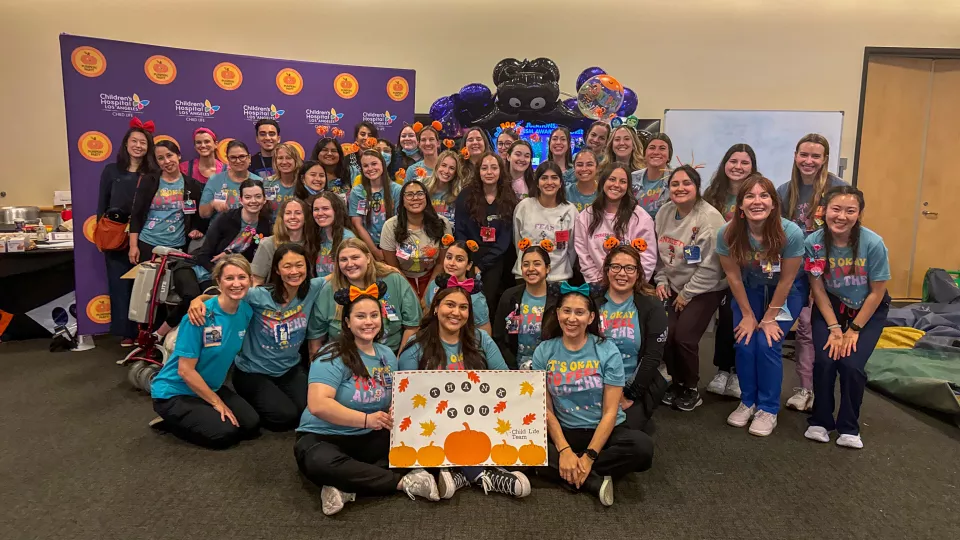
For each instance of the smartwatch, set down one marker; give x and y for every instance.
(855, 327)
(591, 453)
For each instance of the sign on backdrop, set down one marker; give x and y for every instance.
(460, 418)
(106, 83)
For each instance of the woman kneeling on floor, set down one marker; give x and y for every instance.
(343, 440)
(188, 392)
(448, 339)
(591, 443)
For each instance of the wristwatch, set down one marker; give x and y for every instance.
(591, 453)
(855, 327)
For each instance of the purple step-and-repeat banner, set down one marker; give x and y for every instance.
(106, 83)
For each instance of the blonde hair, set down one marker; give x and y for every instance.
(375, 269)
(233, 259)
(456, 183)
(637, 161)
(291, 151)
(796, 180)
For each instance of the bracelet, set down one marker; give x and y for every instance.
(567, 447)
(767, 321)
(832, 326)
(365, 419)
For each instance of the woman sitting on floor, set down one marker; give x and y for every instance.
(343, 441)
(458, 262)
(517, 323)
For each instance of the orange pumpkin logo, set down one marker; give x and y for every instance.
(639, 244)
(95, 146)
(403, 456)
(227, 76)
(547, 245)
(160, 69)
(610, 243)
(158, 138)
(346, 85)
(289, 81)
(89, 226)
(523, 244)
(398, 88)
(298, 147)
(467, 447)
(98, 309)
(504, 454)
(533, 455)
(88, 61)
(430, 456)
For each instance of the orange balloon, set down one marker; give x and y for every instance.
(611, 83)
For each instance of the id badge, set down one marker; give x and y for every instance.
(513, 323)
(189, 207)
(281, 333)
(784, 315)
(488, 234)
(404, 252)
(362, 207)
(272, 192)
(769, 267)
(691, 254)
(562, 236)
(212, 336)
(391, 312)
(220, 196)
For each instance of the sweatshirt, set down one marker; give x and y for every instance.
(467, 228)
(699, 228)
(590, 248)
(531, 220)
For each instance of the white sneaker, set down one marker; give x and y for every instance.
(850, 441)
(733, 386)
(663, 371)
(719, 383)
(817, 433)
(742, 415)
(332, 499)
(450, 481)
(606, 491)
(801, 400)
(763, 424)
(420, 482)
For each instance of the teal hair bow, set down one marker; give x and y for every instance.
(568, 288)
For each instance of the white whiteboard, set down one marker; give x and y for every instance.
(772, 134)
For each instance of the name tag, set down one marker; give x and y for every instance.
(189, 207)
(212, 336)
(391, 312)
(691, 254)
(220, 195)
(281, 333)
(513, 323)
(272, 192)
(405, 251)
(488, 234)
(362, 207)
(562, 236)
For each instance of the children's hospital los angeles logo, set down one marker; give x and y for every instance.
(256, 112)
(327, 117)
(195, 111)
(126, 105)
(381, 120)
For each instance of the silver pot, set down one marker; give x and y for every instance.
(9, 215)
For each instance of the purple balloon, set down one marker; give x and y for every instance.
(587, 73)
(571, 104)
(451, 126)
(629, 105)
(441, 107)
(475, 93)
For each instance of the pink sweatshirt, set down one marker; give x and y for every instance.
(590, 249)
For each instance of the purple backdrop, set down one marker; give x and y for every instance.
(106, 83)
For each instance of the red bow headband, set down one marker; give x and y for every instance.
(146, 126)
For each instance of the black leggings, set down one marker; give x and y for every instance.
(350, 463)
(279, 401)
(492, 279)
(186, 285)
(724, 356)
(195, 421)
(627, 450)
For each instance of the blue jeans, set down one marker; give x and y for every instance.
(118, 264)
(760, 366)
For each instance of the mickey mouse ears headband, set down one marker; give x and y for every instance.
(351, 294)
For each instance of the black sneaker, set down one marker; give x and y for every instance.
(450, 481)
(688, 399)
(671, 394)
(503, 481)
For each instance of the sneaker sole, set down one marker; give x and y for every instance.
(695, 405)
(717, 391)
(760, 433)
(525, 488)
(606, 491)
(815, 439)
(445, 484)
(737, 425)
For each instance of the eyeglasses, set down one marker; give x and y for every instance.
(238, 159)
(503, 144)
(630, 269)
(414, 195)
(328, 150)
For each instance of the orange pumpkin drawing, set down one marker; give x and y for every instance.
(523, 244)
(504, 454)
(639, 244)
(610, 243)
(430, 456)
(547, 245)
(531, 454)
(467, 447)
(403, 456)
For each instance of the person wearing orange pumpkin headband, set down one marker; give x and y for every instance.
(364, 138)
(445, 184)
(458, 263)
(448, 339)
(474, 144)
(519, 317)
(411, 240)
(343, 440)
(614, 214)
(428, 140)
(329, 153)
(590, 443)
(547, 219)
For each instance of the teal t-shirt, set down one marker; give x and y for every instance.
(222, 184)
(277, 194)
(578, 199)
(481, 311)
(165, 224)
(621, 325)
(412, 172)
(213, 361)
(326, 252)
(444, 208)
(531, 321)
(359, 205)
(569, 177)
(766, 273)
(410, 357)
(873, 264)
(272, 345)
(729, 207)
(339, 186)
(650, 194)
(366, 394)
(575, 379)
(401, 308)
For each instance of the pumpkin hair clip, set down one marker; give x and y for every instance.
(337, 132)
(639, 244)
(447, 240)
(401, 174)
(692, 161)
(322, 130)
(464, 152)
(448, 143)
(417, 127)
(473, 246)
(610, 243)
(546, 244)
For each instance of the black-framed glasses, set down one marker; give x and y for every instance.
(414, 195)
(630, 269)
(238, 159)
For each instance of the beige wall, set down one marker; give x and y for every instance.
(729, 54)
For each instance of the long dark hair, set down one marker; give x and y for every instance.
(374, 132)
(266, 211)
(149, 162)
(624, 209)
(551, 323)
(642, 286)
(313, 234)
(716, 193)
(541, 170)
(527, 174)
(300, 189)
(385, 182)
(506, 199)
(737, 234)
(345, 347)
(567, 157)
(460, 244)
(340, 170)
(432, 355)
(275, 283)
(432, 224)
(828, 240)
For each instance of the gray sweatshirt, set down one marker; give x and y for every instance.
(699, 228)
(533, 221)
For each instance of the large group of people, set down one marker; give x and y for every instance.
(375, 256)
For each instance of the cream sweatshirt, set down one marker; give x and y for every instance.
(531, 220)
(698, 228)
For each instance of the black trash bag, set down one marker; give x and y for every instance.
(939, 287)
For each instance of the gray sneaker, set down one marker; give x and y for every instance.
(733, 386)
(719, 383)
(332, 499)
(420, 482)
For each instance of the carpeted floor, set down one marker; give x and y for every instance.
(77, 461)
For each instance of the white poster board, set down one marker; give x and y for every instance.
(461, 418)
(773, 135)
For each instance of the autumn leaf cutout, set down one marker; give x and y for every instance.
(473, 377)
(419, 401)
(404, 383)
(528, 419)
(503, 426)
(500, 407)
(405, 423)
(442, 406)
(428, 428)
(526, 388)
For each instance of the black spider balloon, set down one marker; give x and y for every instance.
(529, 91)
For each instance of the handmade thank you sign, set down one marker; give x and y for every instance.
(459, 418)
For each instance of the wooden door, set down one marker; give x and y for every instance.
(938, 219)
(890, 165)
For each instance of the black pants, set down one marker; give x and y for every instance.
(627, 450)
(493, 282)
(350, 463)
(188, 287)
(682, 351)
(279, 401)
(118, 264)
(195, 421)
(724, 355)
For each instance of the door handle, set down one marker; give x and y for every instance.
(929, 213)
